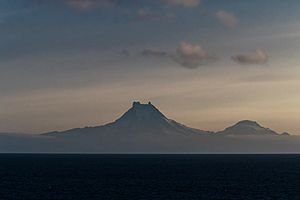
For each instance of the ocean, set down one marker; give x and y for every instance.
(148, 177)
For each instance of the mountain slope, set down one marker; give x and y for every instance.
(246, 128)
(140, 119)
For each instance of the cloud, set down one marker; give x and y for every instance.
(86, 5)
(187, 55)
(226, 18)
(185, 3)
(257, 57)
(190, 56)
(154, 53)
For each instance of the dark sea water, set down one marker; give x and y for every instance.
(85, 177)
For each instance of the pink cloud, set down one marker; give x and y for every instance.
(257, 57)
(226, 18)
(190, 55)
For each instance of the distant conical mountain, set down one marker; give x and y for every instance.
(247, 127)
(139, 119)
(146, 119)
(143, 128)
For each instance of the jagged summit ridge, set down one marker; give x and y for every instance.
(142, 112)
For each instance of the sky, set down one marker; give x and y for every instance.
(204, 63)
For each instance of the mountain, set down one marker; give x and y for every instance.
(246, 128)
(146, 120)
(140, 119)
(285, 134)
(144, 129)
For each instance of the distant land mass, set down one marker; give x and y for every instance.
(140, 119)
(144, 129)
(146, 119)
